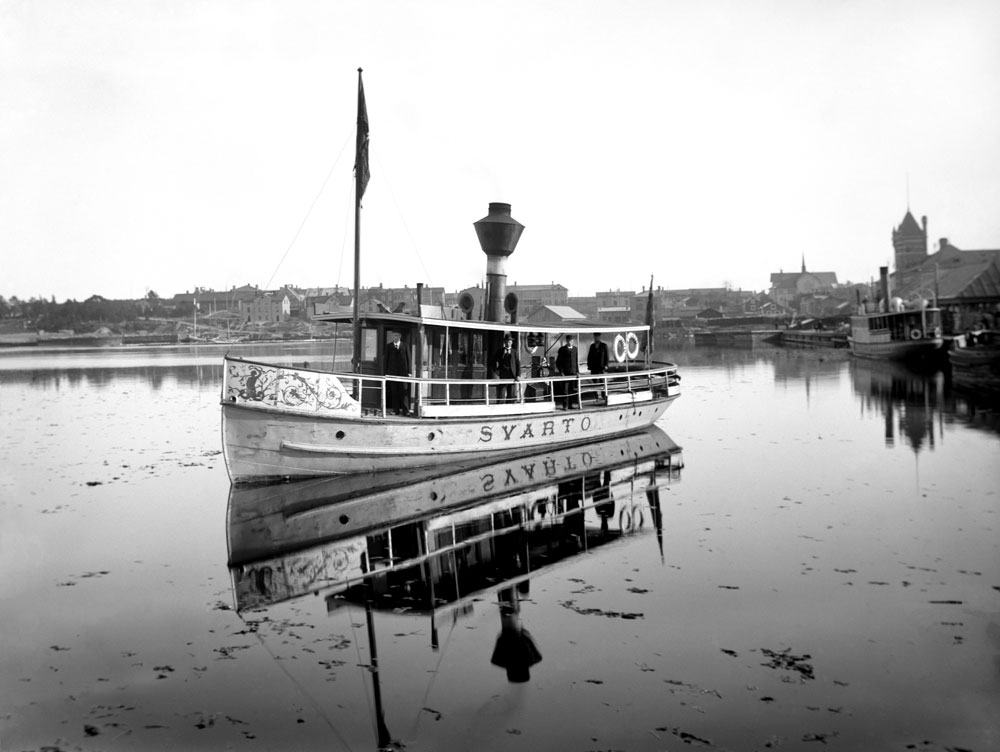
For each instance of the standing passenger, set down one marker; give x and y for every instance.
(567, 364)
(597, 360)
(396, 362)
(507, 367)
(597, 356)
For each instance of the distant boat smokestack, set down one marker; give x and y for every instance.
(498, 234)
(883, 272)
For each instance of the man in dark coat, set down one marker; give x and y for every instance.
(597, 356)
(597, 360)
(507, 367)
(568, 364)
(396, 362)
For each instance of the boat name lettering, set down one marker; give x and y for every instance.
(550, 468)
(528, 429)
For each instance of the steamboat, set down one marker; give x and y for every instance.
(439, 385)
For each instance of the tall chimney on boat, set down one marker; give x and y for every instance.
(883, 272)
(498, 235)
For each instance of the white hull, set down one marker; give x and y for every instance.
(281, 423)
(263, 445)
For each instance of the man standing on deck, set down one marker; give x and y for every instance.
(567, 364)
(597, 360)
(396, 362)
(507, 367)
(597, 356)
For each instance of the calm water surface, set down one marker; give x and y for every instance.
(827, 574)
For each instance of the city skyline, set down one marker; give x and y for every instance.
(642, 289)
(212, 144)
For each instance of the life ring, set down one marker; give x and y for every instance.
(632, 345)
(619, 348)
(625, 521)
(916, 334)
(937, 331)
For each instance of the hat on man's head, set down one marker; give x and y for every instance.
(507, 337)
(569, 336)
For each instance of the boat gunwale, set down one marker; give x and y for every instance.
(395, 420)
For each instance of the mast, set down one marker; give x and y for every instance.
(648, 348)
(361, 175)
(382, 735)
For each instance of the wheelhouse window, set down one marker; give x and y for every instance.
(369, 343)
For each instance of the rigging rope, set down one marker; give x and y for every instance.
(365, 669)
(413, 243)
(343, 249)
(308, 212)
(434, 676)
(316, 706)
(347, 223)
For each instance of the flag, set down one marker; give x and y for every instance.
(361, 173)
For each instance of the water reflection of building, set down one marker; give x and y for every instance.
(918, 405)
(910, 401)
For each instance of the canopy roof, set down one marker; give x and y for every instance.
(583, 326)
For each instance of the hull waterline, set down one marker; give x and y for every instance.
(263, 446)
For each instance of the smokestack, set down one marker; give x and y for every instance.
(883, 272)
(498, 234)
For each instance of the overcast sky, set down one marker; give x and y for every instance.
(167, 145)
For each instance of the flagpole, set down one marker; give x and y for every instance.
(360, 182)
(649, 323)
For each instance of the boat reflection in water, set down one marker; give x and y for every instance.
(434, 543)
(916, 404)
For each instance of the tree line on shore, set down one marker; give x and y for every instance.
(50, 316)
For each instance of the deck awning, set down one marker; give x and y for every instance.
(401, 319)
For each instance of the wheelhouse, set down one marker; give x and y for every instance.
(897, 326)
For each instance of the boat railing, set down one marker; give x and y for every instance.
(301, 389)
(433, 397)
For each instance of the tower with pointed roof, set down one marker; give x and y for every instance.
(909, 241)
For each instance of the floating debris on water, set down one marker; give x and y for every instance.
(684, 736)
(600, 612)
(784, 660)
(821, 738)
